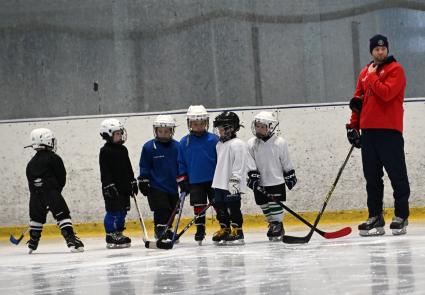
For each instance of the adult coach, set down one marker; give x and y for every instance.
(377, 110)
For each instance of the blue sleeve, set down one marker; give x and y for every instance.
(145, 163)
(181, 159)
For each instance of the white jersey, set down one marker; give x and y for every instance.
(271, 159)
(232, 158)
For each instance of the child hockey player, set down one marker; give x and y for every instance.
(229, 179)
(46, 176)
(118, 182)
(273, 169)
(158, 172)
(197, 159)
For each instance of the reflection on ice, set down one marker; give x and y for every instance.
(352, 265)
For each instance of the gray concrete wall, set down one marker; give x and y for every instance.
(160, 55)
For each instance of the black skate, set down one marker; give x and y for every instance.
(276, 231)
(33, 241)
(220, 237)
(374, 226)
(200, 233)
(117, 240)
(72, 241)
(170, 236)
(236, 237)
(398, 226)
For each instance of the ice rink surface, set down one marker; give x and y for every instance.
(349, 265)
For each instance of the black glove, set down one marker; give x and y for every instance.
(183, 183)
(144, 185)
(134, 189)
(353, 136)
(356, 104)
(110, 191)
(253, 180)
(290, 179)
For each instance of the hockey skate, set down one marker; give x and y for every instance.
(398, 226)
(220, 237)
(72, 241)
(117, 240)
(33, 241)
(170, 236)
(236, 237)
(200, 234)
(276, 231)
(374, 226)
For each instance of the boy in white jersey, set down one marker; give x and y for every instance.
(229, 179)
(273, 168)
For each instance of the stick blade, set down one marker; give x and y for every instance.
(339, 233)
(297, 240)
(15, 241)
(159, 245)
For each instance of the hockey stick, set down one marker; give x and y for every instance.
(179, 205)
(142, 223)
(16, 241)
(327, 235)
(306, 239)
(169, 245)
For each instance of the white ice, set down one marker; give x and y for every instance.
(350, 265)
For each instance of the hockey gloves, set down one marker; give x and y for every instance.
(234, 185)
(253, 180)
(353, 136)
(183, 183)
(134, 189)
(290, 179)
(144, 185)
(356, 104)
(110, 191)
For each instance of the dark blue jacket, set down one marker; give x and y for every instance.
(158, 162)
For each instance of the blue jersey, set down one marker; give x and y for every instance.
(158, 162)
(198, 157)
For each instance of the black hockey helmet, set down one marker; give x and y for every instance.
(229, 121)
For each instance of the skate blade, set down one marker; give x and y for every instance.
(115, 246)
(379, 231)
(275, 239)
(200, 242)
(30, 251)
(399, 232)
(220, 243)
(233, 243)
(76, 250)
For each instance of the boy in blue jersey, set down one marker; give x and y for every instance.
(158, 172)
(197, 160)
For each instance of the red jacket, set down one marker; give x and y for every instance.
(383, 97)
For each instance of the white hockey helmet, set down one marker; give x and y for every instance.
(197, 113)
(43, 138)
(165, 121)
(109, 126)
(266, 118)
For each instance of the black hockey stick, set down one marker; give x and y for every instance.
(327, 235)
(306, 239)
(169, 245)
(169, 223)
(16, 241)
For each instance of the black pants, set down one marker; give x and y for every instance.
(162, 204)
(42, 203)
(280, 190)
(200, 194)
(228, 208)
(384, 148)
